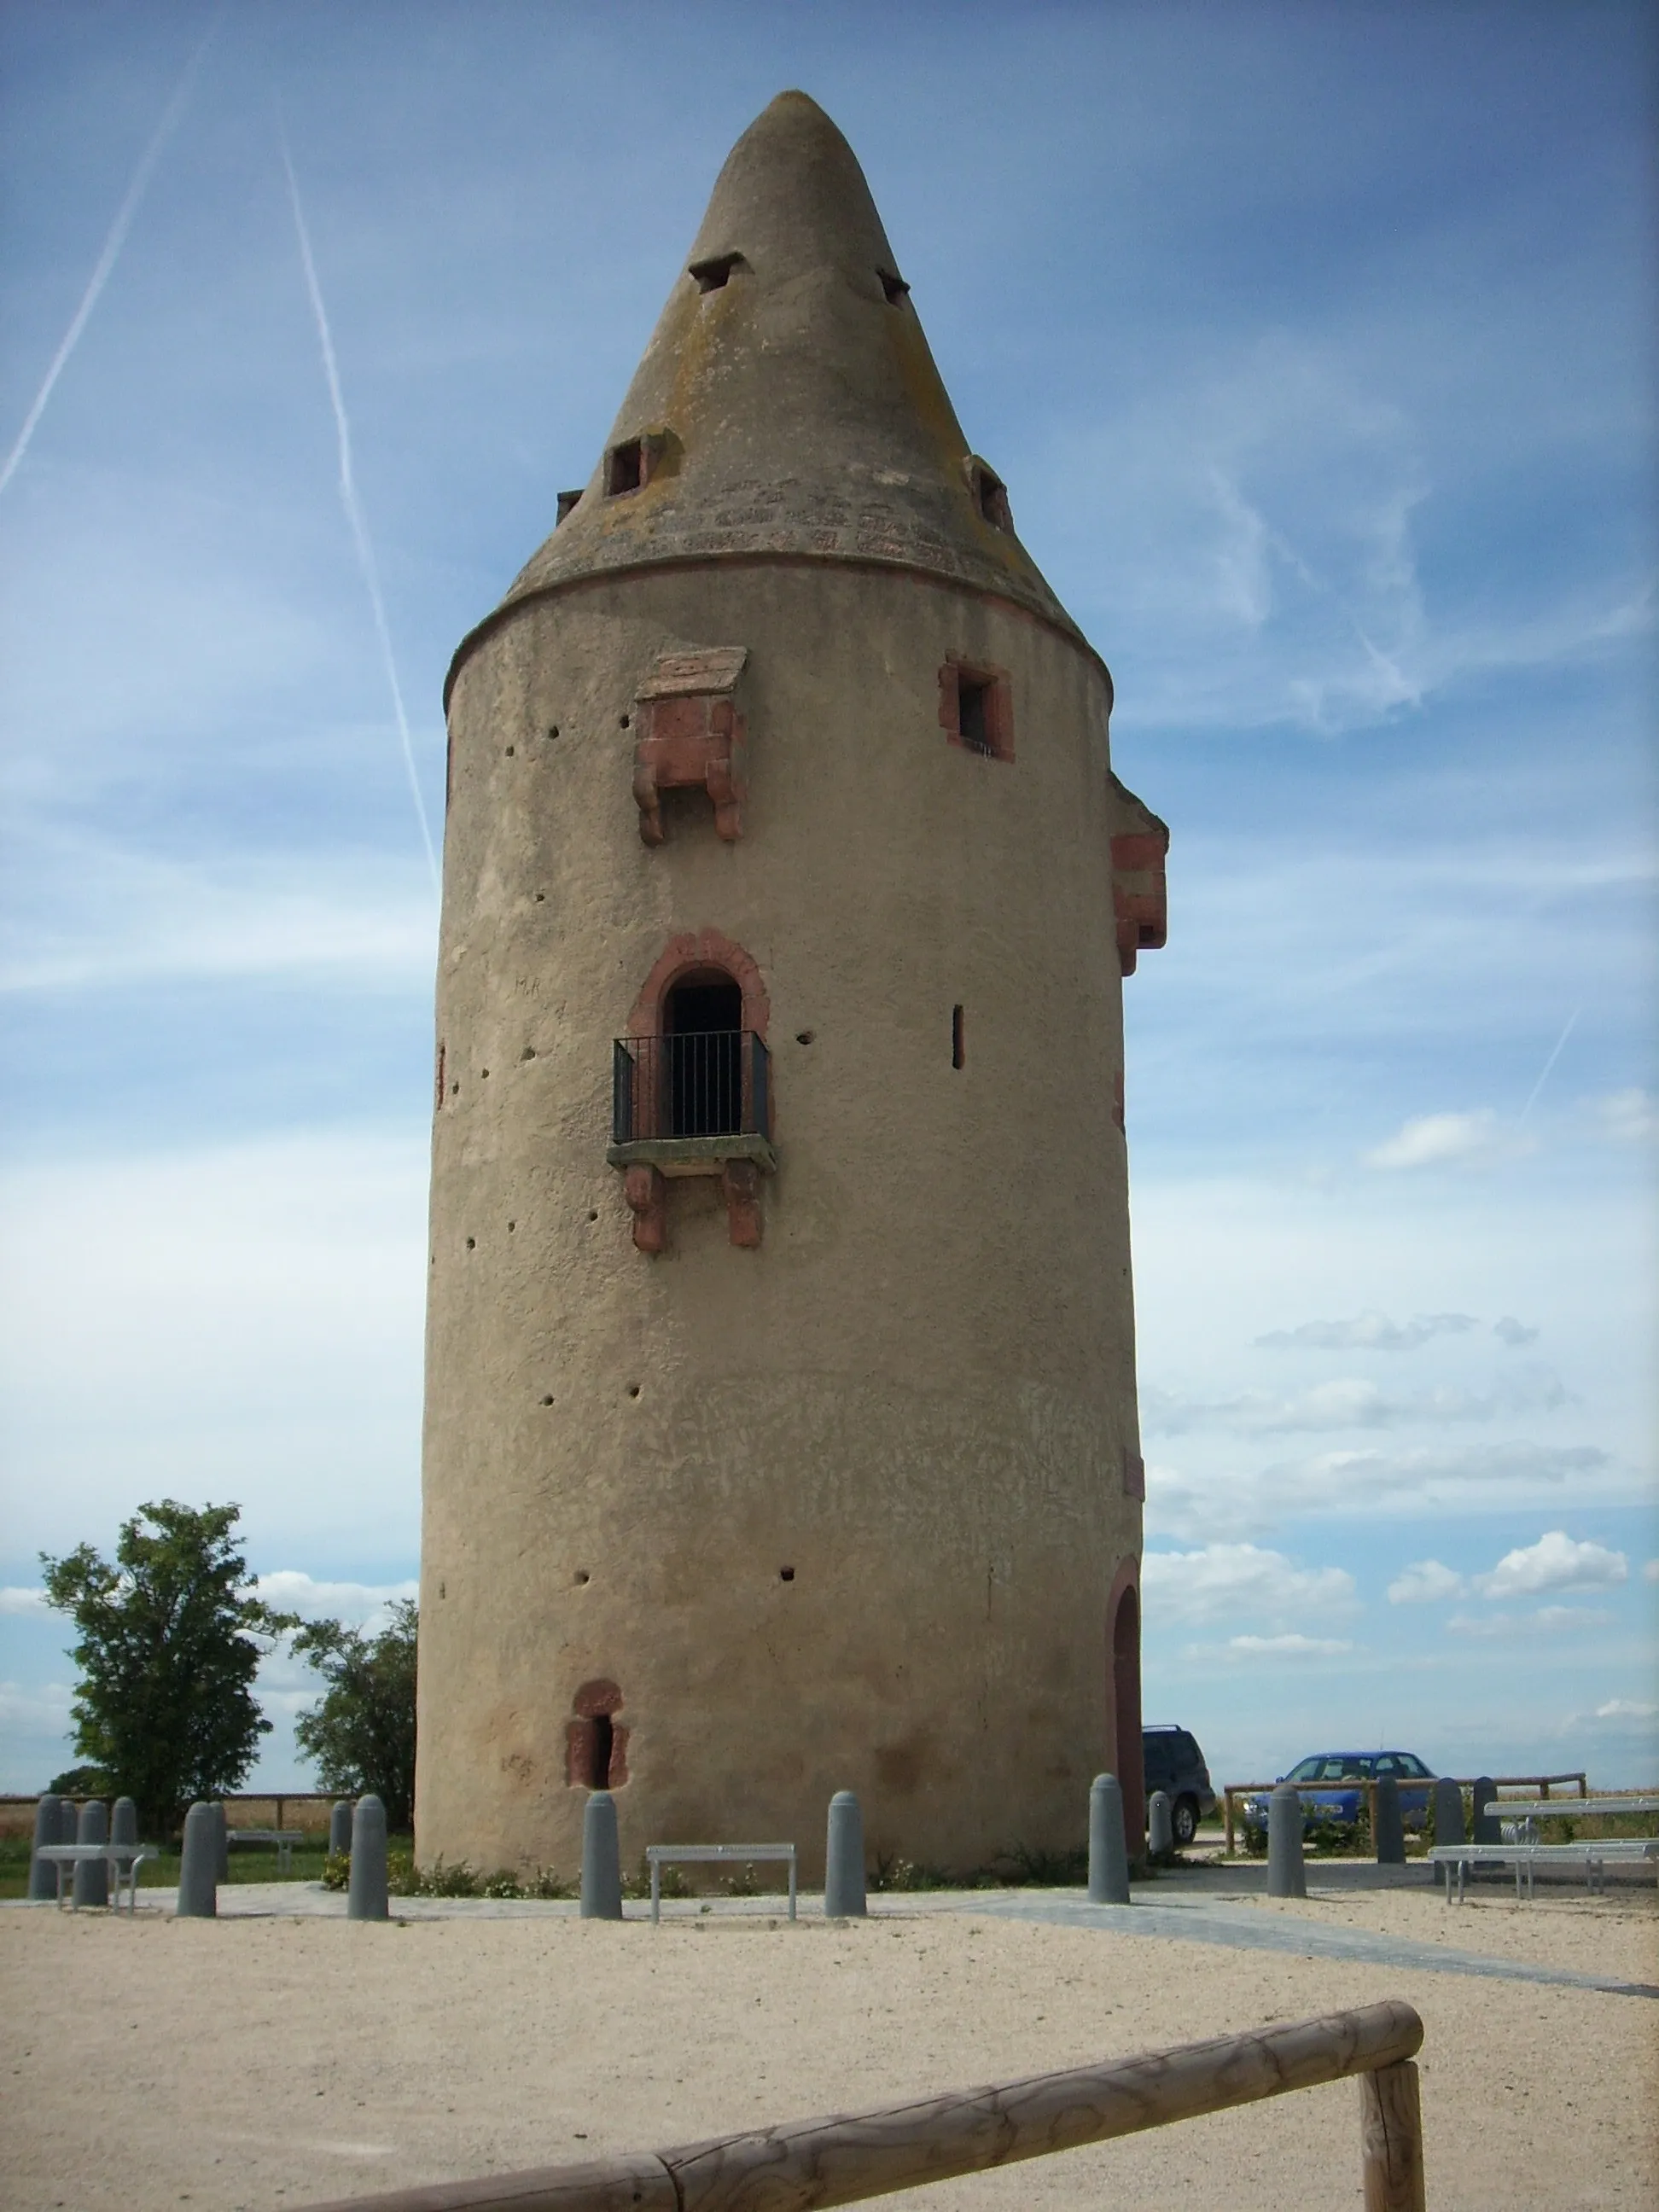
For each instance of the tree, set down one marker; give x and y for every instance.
(170, 1643)
(362, 1737)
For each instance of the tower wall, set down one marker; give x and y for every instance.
(918, 1393)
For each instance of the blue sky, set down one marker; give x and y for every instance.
(1316, 346)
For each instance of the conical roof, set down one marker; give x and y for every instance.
(787, 403)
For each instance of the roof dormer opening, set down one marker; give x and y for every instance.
(624, 467)
(567, 501)
(990, 494)
(713, 274)
(893, 285)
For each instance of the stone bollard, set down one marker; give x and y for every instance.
(92, 1875)
(843, 1860)
(1109, 1862)
(198, 1866)
(1160, 1826)
(1448, 1812)
(222, 1830)
(1484, 1825)
(601, 1859)
(124, 1821)
(1286, 1876)
(48, 1829)
(339, 1828)
(365, 1891)
(1389, 1833)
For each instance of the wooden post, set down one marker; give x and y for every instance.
(1391, 2139)
(1227, 1798)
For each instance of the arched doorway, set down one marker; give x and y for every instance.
(1126, 1717)
(702, 1025)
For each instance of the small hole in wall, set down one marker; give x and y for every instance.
(582, 1575)
(805, 1036)
(529, 1053)
(471, 1243)
(541, 897)
(510, 750)
(547, 1401)
(443, 1589)
(454, 1088)
(552, 729)
(785, 1574)
(511, 1226)
(484, 1072)
(626, 719)
(632, 1389)
(592, 1212)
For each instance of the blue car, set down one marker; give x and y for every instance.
(1347, 1773)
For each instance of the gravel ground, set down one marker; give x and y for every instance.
(274, 2061)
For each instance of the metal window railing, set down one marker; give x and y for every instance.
(715, 1083)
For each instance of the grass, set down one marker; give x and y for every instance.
(249, 1863)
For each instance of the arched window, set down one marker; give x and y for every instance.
(1124, 1707)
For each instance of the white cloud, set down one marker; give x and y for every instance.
(1223, 1581)
(1627, 1117)
(1352, 1402)
(35, 1708)
(1288, 1647)
(1547, 1619)
(1472, 1139)
(1514, 1332)
(359, 1604)
(25, 1602)
(1650, 1572)
(1366, 1332)
(1424, 1582)
(1225, 1501)
(1555, 1562)
(1625, 1709)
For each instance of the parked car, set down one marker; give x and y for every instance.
(1348, 1771)
(1173, 1763)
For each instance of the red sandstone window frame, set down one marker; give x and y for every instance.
(995, 690)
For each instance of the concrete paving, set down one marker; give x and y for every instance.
(1197, 1905)
(1242, 1927)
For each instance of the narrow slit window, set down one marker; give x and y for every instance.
(715, 274)
(624, 468)
(957, 1052)
(893, 285)
(603, 1742)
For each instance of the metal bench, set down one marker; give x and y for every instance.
(1595, 1856)
(122, 1860)
(658, 1856)
(1525, 1813)
(283, 1838)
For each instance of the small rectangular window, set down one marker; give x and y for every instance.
(567, 503)
(973, 713)
(976, 709)
(956, 1054)
(624, 468)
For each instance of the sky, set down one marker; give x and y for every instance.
(1316, 348)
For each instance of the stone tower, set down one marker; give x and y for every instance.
(780, 1429)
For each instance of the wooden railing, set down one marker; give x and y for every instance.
(1237, 1790)
(808, 2163)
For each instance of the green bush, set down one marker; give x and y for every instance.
(337, 1869)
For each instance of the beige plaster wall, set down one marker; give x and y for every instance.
(918, 1393)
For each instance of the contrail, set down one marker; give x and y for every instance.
(1532, 1096)
(353, 507)
(113, 245)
